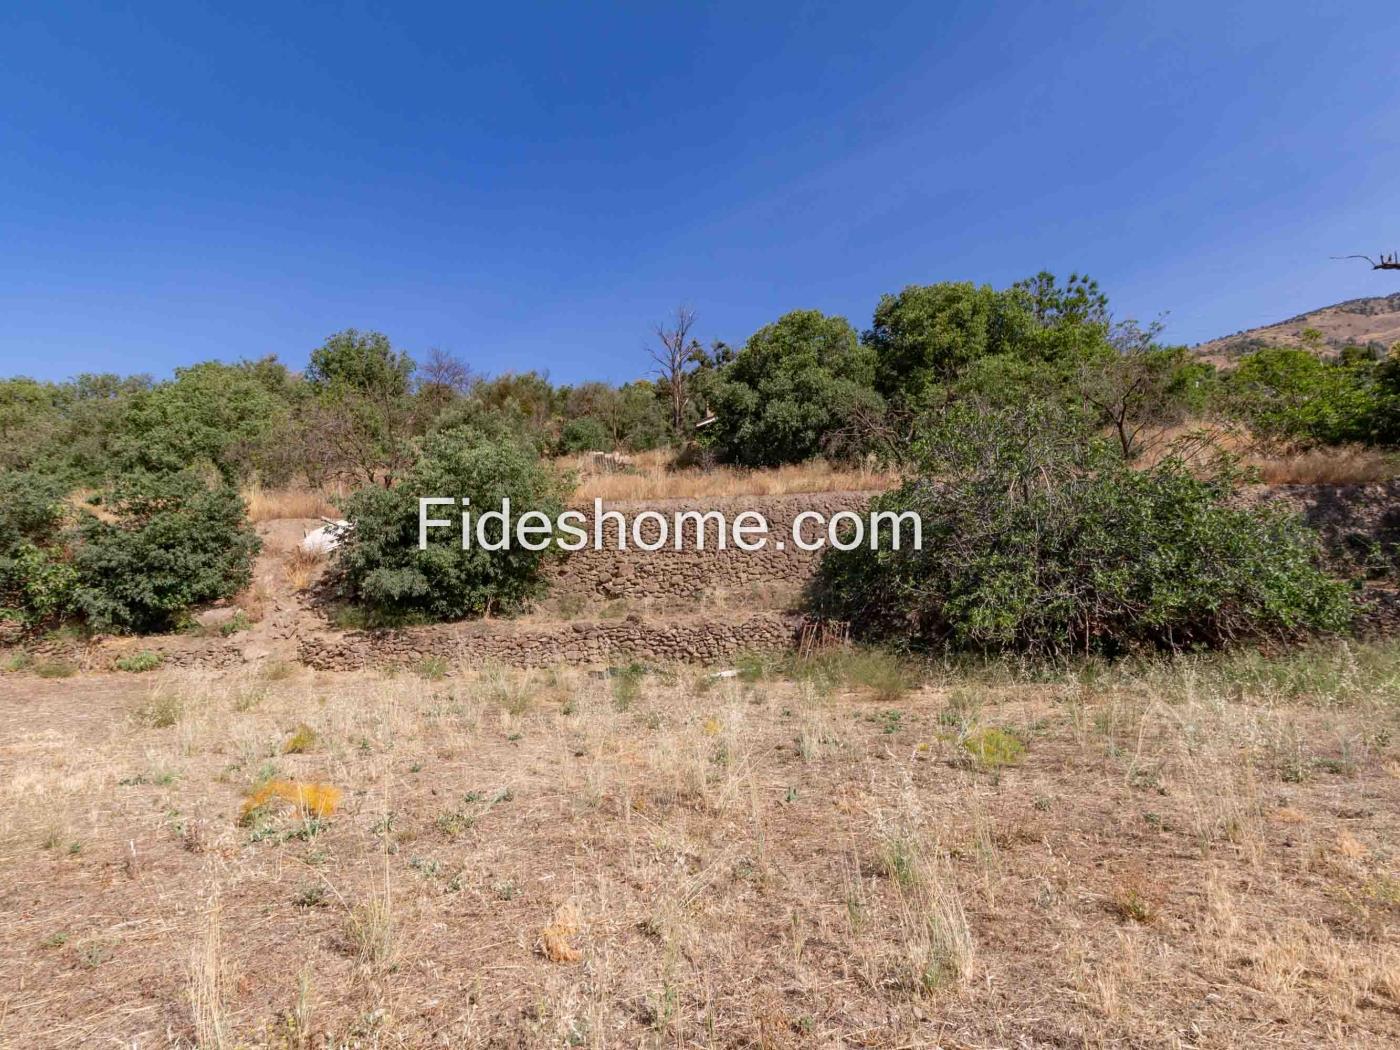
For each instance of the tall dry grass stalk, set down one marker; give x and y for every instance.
(207, 982)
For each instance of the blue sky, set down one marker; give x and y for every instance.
(535, 185)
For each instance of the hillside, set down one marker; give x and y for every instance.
(1356, 322)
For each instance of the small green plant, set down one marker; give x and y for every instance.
(237, 622)
(627, 685)
(505, 889)
(369, 929)
(277, 670)
(94, 953)
(454, 823)
(248, 699)
(55, 669)
(432, 668)
(161, 710)
(1130, 905)
(138, 663)
(310, 896)
(992, 748)
(19, 661)
(302, 740)
(899, 856)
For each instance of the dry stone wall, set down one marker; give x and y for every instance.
(699, 606)
(693, 640)
(679, 579)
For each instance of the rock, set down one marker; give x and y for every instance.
(217, 616)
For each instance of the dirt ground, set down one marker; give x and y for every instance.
(848, 853)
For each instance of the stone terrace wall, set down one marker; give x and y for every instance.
(681, 578)
(694, 640)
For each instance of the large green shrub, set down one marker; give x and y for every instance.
(173, 543)
(1295, 395)
(1037, 536)
(36, 579)
(794, 385)
(381, 565)
(585, 434)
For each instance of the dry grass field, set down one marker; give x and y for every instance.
(849, 852)
(652, 476)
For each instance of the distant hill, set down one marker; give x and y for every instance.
(1373, 322)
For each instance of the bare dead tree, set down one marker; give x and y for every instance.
(675, 357)
(1387, 262)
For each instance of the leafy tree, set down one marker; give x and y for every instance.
(1385, 424)
(173, 543)
(792, 386)
(365, 418)
(1135, 385)
(928, 337)
(1078, 302)
(924, 336)
(211, 413)
(381, 566)
(1037, 536)
(584, 435)
(36, 578)
(29, 418)
(1295, 395)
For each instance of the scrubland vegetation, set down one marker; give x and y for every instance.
(125, 498)
(850, 850)
(1107, 765)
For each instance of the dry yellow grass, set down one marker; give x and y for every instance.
(652, 477)
(293, 502)
(1200, 441)
(313, 799)
(756, 861)
(300, 567)
(1346, 465)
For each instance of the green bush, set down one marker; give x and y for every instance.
(1037, 536)
(793, 387)
(139, 663)
(381, 566)
(174, 543)
(584, 435)
(36, 579)
(1294, 395)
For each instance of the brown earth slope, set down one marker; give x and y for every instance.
(1356, 322)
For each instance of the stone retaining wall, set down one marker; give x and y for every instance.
(671, 578)
(695, 640)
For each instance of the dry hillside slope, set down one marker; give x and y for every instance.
(1356, 322)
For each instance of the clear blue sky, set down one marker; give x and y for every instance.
(534, 185)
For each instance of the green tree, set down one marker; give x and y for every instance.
(210, 413)
(37, 579)
(795, 383)
(172, 543)
(384, 571)
(1295, 395)
(365, 418)
(1135, 386)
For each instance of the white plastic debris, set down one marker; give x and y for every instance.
(325, 539)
